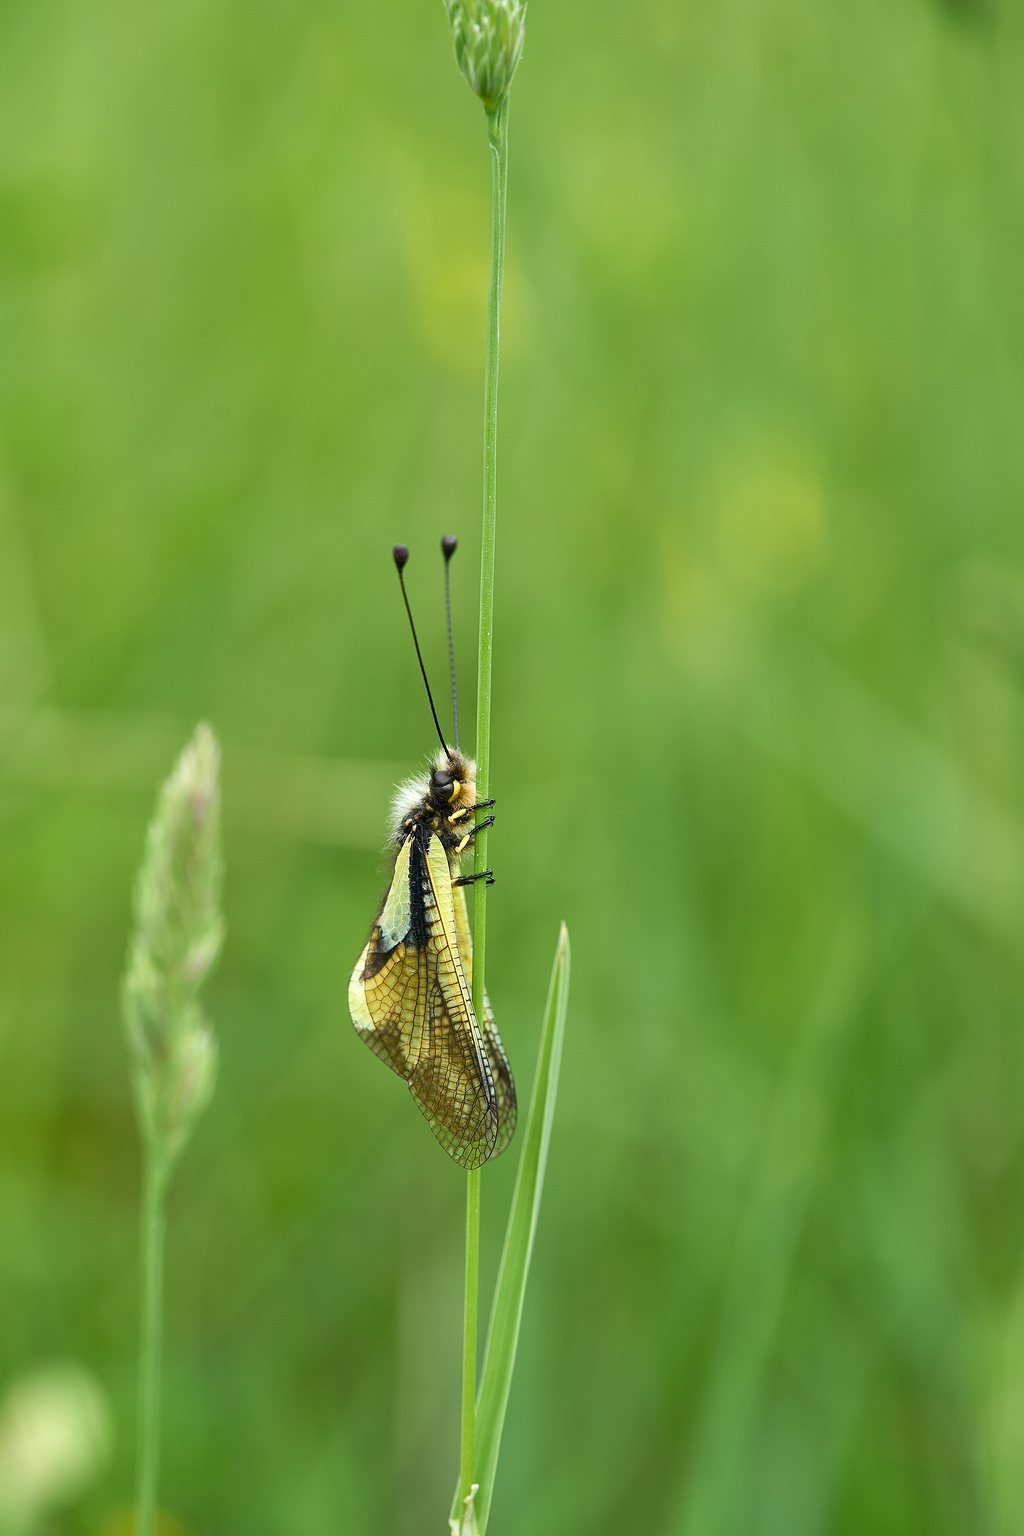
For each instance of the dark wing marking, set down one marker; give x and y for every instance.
(411, 1005)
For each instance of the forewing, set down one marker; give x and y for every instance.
(501, 1072)
(411, 1005)
(389, 983)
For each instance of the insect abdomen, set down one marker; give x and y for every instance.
(419, 895)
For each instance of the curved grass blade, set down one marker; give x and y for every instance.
(507, 1308)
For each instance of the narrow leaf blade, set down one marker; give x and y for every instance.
(510, 1291)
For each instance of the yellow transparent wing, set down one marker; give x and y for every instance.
(501, 1072)
(411, 1005)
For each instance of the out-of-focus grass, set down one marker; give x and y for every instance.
(758, 738)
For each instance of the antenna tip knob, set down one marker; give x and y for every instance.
(449, 544)
(400, 555)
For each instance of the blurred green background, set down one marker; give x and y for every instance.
(759, 736)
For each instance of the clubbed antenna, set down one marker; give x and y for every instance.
(449, 544)
(400, 554)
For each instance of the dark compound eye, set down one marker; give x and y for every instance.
(442, 779)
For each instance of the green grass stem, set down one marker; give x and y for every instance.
(497, 133)
(466, 1453)
(510, 1291)
(151, 1340)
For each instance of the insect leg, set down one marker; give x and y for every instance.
(472, 833)
(485, 874)
(481, 805)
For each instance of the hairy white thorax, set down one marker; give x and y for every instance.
(409, 796)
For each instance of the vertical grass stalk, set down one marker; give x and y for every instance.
(468, 1448)
(497, 134)
(151, 1341)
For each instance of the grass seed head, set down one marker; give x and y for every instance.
(178, 934)
(488, 37)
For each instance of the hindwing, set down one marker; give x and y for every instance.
(501, 1072)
